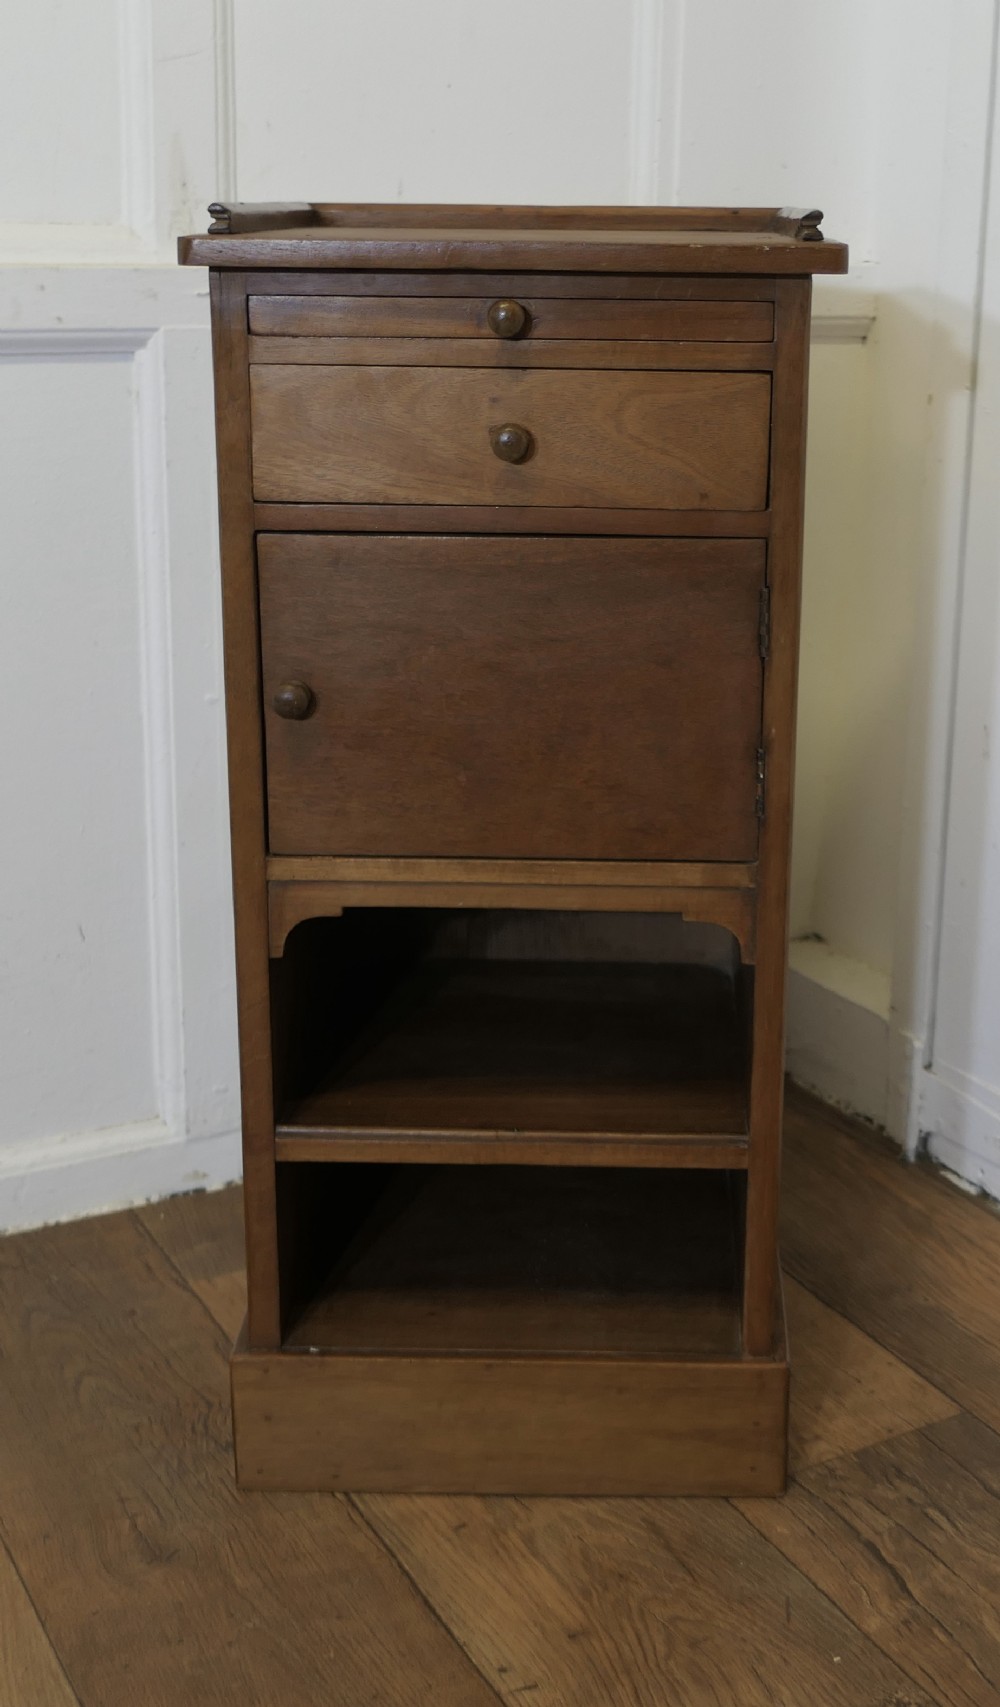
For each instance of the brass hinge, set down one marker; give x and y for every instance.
(758, 804)
(764, 621)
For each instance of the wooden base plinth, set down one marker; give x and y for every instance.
(508, 1425)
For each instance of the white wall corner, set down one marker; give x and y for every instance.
(838, 1035)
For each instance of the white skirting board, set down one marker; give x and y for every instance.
(838, 1030)
(958, 1126)
(840, 1045)
(88, 1173)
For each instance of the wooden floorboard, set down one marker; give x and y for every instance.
(632, 1603)
(137, 1574)
(898, 1252)
(848, 1391)
(905, 1539)
(202, 1234)
(158, 1583)
(30, 1672)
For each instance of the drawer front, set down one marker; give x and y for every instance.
(657, 440)
(510, 319)
(527, 698)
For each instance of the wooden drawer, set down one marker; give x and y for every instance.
(419, 435)
(535, 698)
(514, 319)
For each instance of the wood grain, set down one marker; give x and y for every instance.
(156, 1583)
(417, 435)
(905, 1539)
(632, 355)
(504, 216)
(487, 873)
(573, 249)
(915, 1265)
(633, 1604)
(563, 286)
(548, 317)
(30, 1672)
(623, 723)
(583, 1150)
(511, 518)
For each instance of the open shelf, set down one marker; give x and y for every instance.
(509, 1261)
(549, 1060)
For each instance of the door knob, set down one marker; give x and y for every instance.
(506, 318)
(511, 443)
(293, 699)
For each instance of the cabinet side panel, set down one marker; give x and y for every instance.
(784, 571)
(246, 799)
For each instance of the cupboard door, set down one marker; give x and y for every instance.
(495, 697)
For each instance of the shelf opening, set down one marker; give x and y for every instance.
(427, 1027)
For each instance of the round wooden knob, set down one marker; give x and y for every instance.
(293, 699)
(511, 443)
(506, 318)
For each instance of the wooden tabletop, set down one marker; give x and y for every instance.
(568, 239)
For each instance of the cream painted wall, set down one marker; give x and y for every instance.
(117, 1000)
(416, 104)
(62, 148)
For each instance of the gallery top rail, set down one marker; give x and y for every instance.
(786, 241)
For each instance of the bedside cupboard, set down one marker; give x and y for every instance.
(511, 517)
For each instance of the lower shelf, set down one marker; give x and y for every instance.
(526, 1054)
(506, 1330)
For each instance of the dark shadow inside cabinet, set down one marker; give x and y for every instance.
(500, 1260)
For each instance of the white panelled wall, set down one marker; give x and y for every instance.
(116, 1009)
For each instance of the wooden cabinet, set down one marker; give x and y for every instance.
(511, 508)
